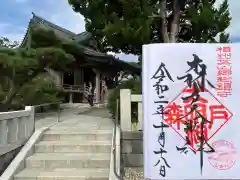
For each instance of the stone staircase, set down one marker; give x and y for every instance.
(76, 151)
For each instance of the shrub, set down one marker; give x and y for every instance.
(134, 86)
(40, 91)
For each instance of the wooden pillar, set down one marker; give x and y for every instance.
(75, 74)
(70, 97)
(97, 86)
(62, 76)
(82, 75)
(103, 91)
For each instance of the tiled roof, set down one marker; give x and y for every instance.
(64, 34)
(71, 36)
(82, 36)
(38, 20)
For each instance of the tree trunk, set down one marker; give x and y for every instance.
(175, 22)
(5, 104)
(164, 24)
(170, 37)
(9, 97)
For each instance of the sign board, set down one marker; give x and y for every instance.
(191, 111)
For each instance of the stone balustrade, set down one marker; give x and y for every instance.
(131, 138)
(126, 98)
(15, 128)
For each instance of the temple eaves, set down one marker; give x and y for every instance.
(79, 39)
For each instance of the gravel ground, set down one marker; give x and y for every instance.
(133, 173)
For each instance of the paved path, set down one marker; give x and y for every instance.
(97, 112)
(54, 118)
(72, 115)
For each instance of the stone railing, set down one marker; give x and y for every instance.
(126, 98)
(15, 128)
(71, 88)
(131, 138)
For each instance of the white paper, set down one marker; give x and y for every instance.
(224, 163)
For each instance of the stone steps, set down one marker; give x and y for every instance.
(70, 151)
(68, 160)
(83, 126)
(56, 135)
(63, 174)
(73, 147)
(75, 131)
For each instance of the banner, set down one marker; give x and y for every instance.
(191, 111)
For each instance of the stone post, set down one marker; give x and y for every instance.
(125, 110)
(30, 127)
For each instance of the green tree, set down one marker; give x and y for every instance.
(20, 66)
(125, 25)
(41, 90)
(5, 42)
(132, 84)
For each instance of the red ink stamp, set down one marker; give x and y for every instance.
(224, 71)
(224, 156)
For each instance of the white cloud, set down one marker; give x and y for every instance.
(8, 30)
(56, 11)
(126, 57)
(60, 13)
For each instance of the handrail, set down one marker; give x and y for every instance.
(47, 104)
(69, 86)
(114, 143)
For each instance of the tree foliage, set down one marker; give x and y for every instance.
(5, 42)
(134, 86)
(41, 90)
(125, 25)
(20, 66)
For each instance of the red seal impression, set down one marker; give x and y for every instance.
(224, 156)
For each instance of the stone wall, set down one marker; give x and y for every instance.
(132, 149)
(16, 127)
(132, 155)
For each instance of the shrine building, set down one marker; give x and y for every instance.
(92, 71)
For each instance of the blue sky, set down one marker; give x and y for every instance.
(15, 15)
